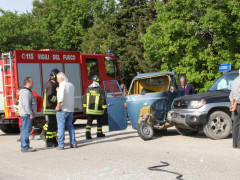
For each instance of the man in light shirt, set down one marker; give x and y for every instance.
(65, 109)
(235, 108)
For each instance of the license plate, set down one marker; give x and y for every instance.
(175, 115)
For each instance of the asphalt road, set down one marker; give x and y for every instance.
(122, 155)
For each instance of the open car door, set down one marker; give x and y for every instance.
(117, 114)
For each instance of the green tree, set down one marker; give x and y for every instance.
(194, 37)
(67, 21)
(122, 32)
(20, 31)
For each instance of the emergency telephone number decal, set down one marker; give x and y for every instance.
(55, 57)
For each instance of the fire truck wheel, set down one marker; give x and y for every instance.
(8, 129)
(145, 131)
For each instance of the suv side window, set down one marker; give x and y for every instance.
(92, 67)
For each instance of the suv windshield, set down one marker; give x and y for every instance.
(224, 82)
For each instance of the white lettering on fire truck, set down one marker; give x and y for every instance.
(55, 57)
(69, 57)
(43, 56)
(27, 56)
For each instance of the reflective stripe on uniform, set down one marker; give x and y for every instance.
(45, 127)
(96, 102)
(87, 101)
(88, 126)
(94, 111)
(104, 106)
(49, 111)
(54, 134)
(88, 130)
(45, 110)
(53, 99)
(50, 135)
(84, 105)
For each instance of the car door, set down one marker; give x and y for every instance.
(117, 114)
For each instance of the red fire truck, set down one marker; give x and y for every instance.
(79, 68)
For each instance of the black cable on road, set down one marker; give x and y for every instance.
(165, 164)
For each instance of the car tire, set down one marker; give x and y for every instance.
(9, 129)
(145, 131)
(206, 133)
(218, 125)
(185, 132)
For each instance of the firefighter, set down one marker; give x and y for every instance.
(95, 105)
(49, 104)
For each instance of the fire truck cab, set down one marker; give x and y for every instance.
(78, 67)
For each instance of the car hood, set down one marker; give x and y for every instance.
(209, 96)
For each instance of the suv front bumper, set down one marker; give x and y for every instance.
(191, 117)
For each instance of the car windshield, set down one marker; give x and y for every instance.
(224, 82)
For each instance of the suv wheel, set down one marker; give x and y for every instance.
(218, 126)
(206, 133)
(185, 132)
(145, 131)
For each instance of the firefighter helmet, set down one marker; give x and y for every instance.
(53, 75)
(96, 78)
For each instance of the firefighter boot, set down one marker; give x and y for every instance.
(49, 144)
(88, 132)
(99, 132)
(54, 140)
(88, 135)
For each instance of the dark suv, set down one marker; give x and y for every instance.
(208, 111)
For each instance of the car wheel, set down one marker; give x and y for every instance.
(219, 125)
(145, 131)
(9, 129)
(206, 133)
(186, 132)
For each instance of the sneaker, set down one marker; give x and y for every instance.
(73, 146)
(29, 150)
(60, 148)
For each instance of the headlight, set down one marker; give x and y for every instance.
(196, 104)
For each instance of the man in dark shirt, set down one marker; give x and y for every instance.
(187, 88)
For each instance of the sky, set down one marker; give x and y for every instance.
(16, 5)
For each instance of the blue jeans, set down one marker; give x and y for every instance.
(25, 131)
(65, 119)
